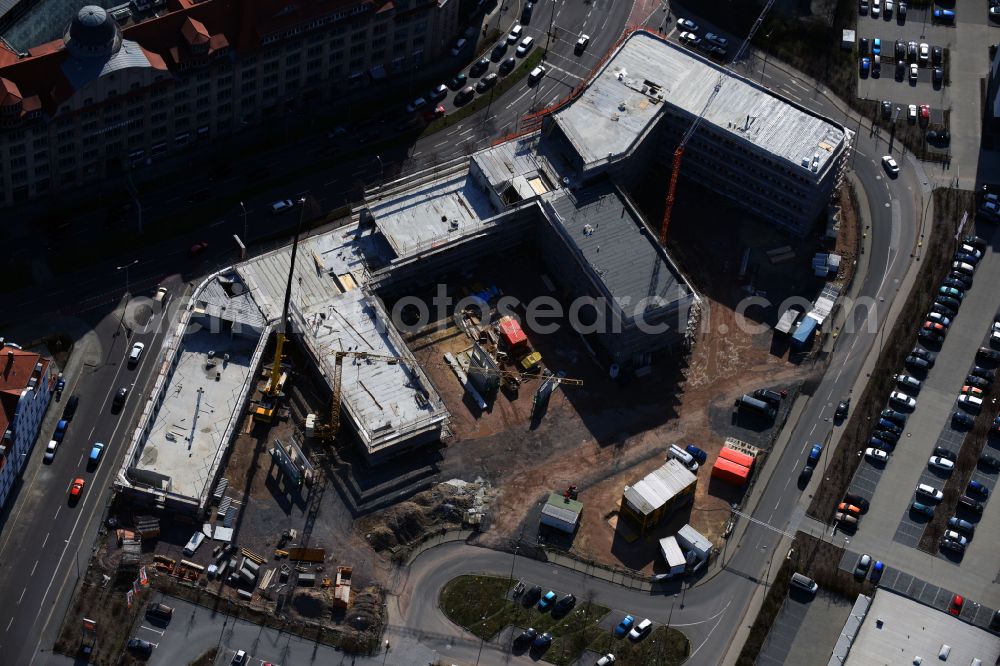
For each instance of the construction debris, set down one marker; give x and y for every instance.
(307, 554)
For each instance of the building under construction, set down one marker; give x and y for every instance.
(550, 187)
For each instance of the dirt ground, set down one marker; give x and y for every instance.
(606, 434)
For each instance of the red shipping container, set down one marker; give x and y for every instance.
(511, 332)
(727, 470)
(735, 456)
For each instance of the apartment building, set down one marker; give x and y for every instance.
(106, 99)
(24, 397)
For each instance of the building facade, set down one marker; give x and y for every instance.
(24, 397)
(106, 99)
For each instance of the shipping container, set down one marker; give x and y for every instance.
(737, 457)
(730, 472)
(673, 556)
(752, 404)
(804, 331)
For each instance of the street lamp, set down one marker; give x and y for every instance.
(125, 268)
(381, 175)
(244, 222)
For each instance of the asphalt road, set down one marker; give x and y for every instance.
(712, 609)
(43, 533)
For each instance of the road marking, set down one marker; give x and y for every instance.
(521, 96)
(787, 481)
(813, 430)
(443, 143)
(45, 540)
(22, 596)
(158, 631)
(215, 224)
(34, 567)
(798, 85)
(58, 509)
(467, 131)
(776, 505)
(10, 623)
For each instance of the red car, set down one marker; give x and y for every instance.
(925, 113)
(934, 326)
(76, 490)
(956, 605)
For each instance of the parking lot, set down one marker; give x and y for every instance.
(895, 84)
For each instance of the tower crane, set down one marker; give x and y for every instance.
(328, 431)
(272, 392)
(679, 152)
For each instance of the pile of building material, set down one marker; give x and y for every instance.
(147, 527)
(342, 589)
(826, 265)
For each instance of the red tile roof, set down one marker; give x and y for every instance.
(9, 93)
(16, 369)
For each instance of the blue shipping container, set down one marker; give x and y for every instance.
(803, 334)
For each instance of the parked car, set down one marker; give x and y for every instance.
(814, 453)
(487, 82)
(536, 74)
(465, 95)
(564, 604)
(922, 509)
(914, 75)
(960, 278)
(886, 109)
(963, 526)
(955, 608)
(805, 475)
(953, 545)
(955, 284)
(457, 81)
(877, 570)
(524, 47)
(846, 508)
(977, 488)
(515, 34)
(943, 16)
(979, 382)
(842, 409)
(624, 626)
(525, 638)
(930, 335)
(987, 354)
(889, 425)
(687, 25)
(916, 363)
(240, 658)
(941, 464)
(507, 66)
(949, 302)
(60, 431)
(898, 418)
(864, 563)
(989, 462)
(641, 629)
(928, 356)
(479, 67)
(937, 77)
(963, 420)
(532, 595)
(845, 519)
(942, 452)
(972, 390)
(606, 660)
(139, 646)
(865, 66)
(886, 436)
(983, 373)
(50, 451)
(952, 292)
(976, 242)
(878, 442)
(546, 601)
(581, 44)
(969, 504)
(160, 611)
(857, 500)
(930, 492)
(939, 137)
(902, 399)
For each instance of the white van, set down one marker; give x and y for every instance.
(524, 47)
(804, 583)
(536, 74)
(515, 34)
(683, 457)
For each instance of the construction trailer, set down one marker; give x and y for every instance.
(561, 513)
(657, 495)
(673, 556)
(694, 542)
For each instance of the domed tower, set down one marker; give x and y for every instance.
(93, 33)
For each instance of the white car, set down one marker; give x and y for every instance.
(952, 535)
(888, 8)
(908, 381)
(641, 629)
(687, 37)
(876, 8)
(581, 43)
(136, 353)
(939, 318)
(942, 464)
(876, 455)
(890, 165)
(911, 111)
(240, 658)
(914, 75)
(536, 74)
(968, 249)
(687, 25)
(50, 450)
(930, 492)
(901, 398)
(606, 659)
(970, 402)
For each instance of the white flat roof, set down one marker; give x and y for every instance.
(910, 630)
(613, 113)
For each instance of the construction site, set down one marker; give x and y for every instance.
(363, 387)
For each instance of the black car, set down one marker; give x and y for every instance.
(972, 506)
(507, 66)
(942, 452)
(919, 352)
(863, 46)
(916, 363)
(983, 373)
(773, 398)
(842, 409)
(943, 309)
(989, 462)
(480, 67)
(886, 109)
(542, 642)
(71, 405)
(457, 81)
(978, 382)
(928, 335)
(900, 50)
(498, 51)
(937, 76)
(976, 242)
(937, 55)
(857, 500)
(963, 526)
(805, 475)
(961, 278)
(899, 418)
(526, 12)
(120, 397)
(952, 303)
(140, 646)
(886, 436)
(564, 604)
(525, 638)
(940, 137)
(955, 284)
(962, 419)
(989, 355)
(531, 596)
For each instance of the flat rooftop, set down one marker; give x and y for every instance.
(198, 403)
(614, 242)
(910, 630)
(618, 107)
(430, 214)
(331, 310)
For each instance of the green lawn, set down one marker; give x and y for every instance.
(662, 647)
